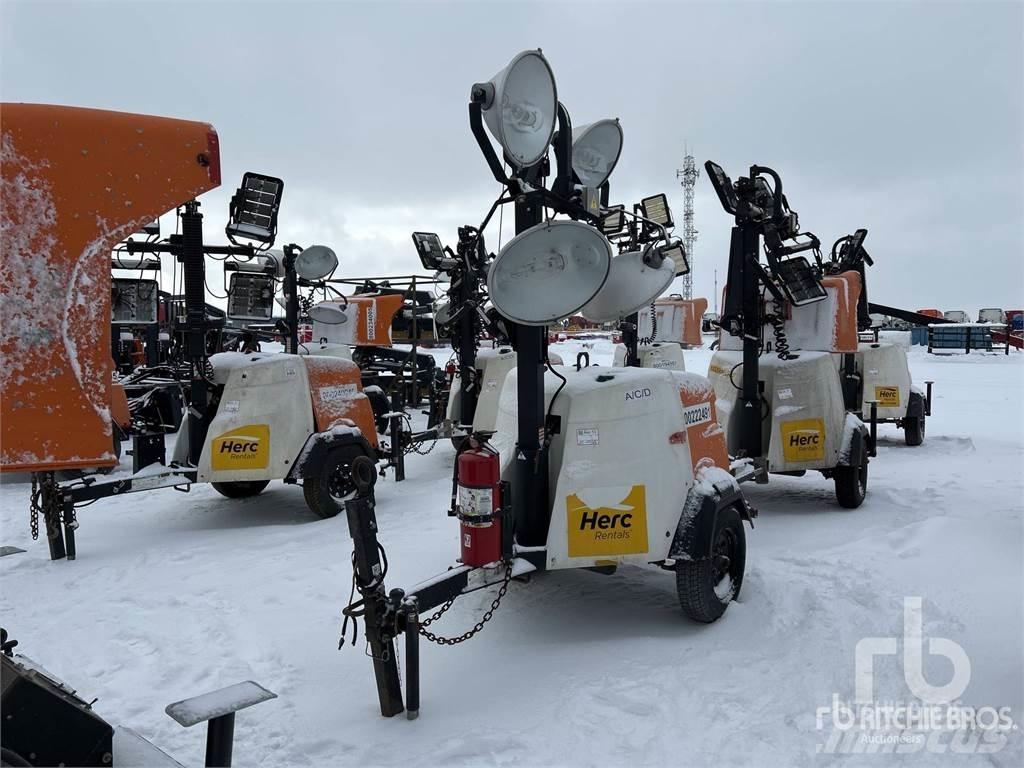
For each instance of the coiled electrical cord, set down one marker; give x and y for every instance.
(779, 332)
(654, 328)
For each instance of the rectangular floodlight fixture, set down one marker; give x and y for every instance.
(614, 220)
(152, 229)
(250, 296)
(799, 282)
(655, 208)
(253, 210)
(677, 253)
(430, 250)
(133, 302)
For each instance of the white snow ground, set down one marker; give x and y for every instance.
(175, 594)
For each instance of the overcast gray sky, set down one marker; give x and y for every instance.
(905, 118)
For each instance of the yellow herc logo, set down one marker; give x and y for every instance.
(608, 528)
(247, 447)
(888, 397)
(803, 440)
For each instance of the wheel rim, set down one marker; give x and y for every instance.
(723, 563)
(339, 482)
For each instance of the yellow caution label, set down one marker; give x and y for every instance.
(247, 447)
(615, 528)
(887, 397)
(803, 440)
(717, 369)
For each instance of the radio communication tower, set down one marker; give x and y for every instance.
(688, 175)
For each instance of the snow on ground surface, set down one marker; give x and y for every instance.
(176, 594)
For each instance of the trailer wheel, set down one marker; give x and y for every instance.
(852, 483)
(707, 586)
(240, 489)
(913, 430)
(326, 492)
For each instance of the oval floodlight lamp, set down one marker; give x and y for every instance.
(549, 271)
(595, 151)
(633, 282)
(315, 262)
(519, 107)
(328, 313)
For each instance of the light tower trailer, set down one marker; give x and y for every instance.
(592, 467)
(885, 386)
(790, 413)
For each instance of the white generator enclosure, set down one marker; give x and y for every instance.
(620, 465)
(493, 366)
(803, 416)
(886, 378)
(665, 355)
(264, 418)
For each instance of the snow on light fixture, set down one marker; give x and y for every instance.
(519, 106)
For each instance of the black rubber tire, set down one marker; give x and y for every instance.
(913, 430)
(325, 494)
(852, 483)
(240, 489)
(699, 583)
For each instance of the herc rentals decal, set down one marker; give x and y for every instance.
(247, 447)
(803, 440)
(888, 397)
(607, 521)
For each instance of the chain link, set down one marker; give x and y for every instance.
(476, 628)
(45, 499)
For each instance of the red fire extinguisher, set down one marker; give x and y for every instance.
(479, 505)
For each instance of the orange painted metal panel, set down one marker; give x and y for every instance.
(335, 386)
(847, 291)
(376, 312)
(705, 436)
(75, 182)
(691, 311)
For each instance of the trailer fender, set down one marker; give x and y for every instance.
(693, 538)
(319, 444)
(855, 449)
(915, 406)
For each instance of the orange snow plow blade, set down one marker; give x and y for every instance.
(75, 182)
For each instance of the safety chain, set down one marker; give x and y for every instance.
(479, 625)
(45, 498)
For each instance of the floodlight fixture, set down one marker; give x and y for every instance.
(723, 187)
(549, 271)
(595, 151)
(269, 263)
(253, 209)
(674, 251)
(430, 250)
(329, 313)
(251, 296)
(316, 262)
(636, 279)
(614, 220)
(798, 281)
(655, 208)
(519, 106)
(133, 302)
